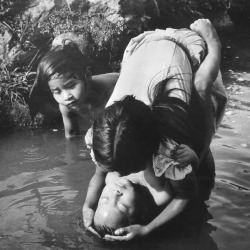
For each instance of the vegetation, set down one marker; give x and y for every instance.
(106, 40)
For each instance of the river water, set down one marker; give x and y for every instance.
(44, 179)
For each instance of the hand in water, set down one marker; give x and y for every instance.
(88, 216)
(128, 233)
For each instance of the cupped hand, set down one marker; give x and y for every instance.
(88, 216)
(128, 233)
(183, 154)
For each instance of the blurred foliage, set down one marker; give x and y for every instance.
(107, 40)
(10, 8)
(104, 37)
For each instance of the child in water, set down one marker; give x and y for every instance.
(126, 142)
(65, 72)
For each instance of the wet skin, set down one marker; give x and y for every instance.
(117, 204)
(69, 92)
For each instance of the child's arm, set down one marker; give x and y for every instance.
(70, 123)
(209, 68)
(95, 188)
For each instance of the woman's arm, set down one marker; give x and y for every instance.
(95, 188)
(209, 68)
(185, 191)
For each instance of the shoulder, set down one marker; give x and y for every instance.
(106, 79)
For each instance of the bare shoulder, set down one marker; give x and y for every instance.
(106, 79)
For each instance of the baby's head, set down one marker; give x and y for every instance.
(120, 205)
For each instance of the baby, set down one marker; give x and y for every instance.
(136, 198)
(129, 200)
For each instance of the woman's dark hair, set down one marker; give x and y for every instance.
(124, 136)
(175, 118)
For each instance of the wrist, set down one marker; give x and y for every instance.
(147, 229)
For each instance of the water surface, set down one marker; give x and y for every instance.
(44, 179)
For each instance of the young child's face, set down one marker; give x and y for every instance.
(117, 204)
(69, 92)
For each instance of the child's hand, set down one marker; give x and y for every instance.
(184, 154)
(128, 233)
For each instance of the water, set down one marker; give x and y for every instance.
(44, 179)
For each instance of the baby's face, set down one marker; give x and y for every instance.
(117, 204)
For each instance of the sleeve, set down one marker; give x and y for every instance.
(164, 165)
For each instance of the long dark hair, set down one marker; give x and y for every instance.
(59, 60)
(124, 136)
(62, 59)
(175, 118)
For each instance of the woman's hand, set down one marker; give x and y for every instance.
(128, 233)
(88, 216)
(184, 154)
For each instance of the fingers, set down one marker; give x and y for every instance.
(119, 235)
(117, 238)
(121, 231)
(179, 150)
(88, 215)
(87, 222)
(92, 230)
(197, 22)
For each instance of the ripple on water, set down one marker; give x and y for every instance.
(33, 155)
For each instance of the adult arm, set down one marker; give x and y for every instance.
(185, 190)
(95, 188)
(209, 68)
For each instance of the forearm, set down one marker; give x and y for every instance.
(173, 209)
(95, 188)
(72, 146)
(209, 68)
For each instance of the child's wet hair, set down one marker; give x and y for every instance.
(60, 60)
(124, 138)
